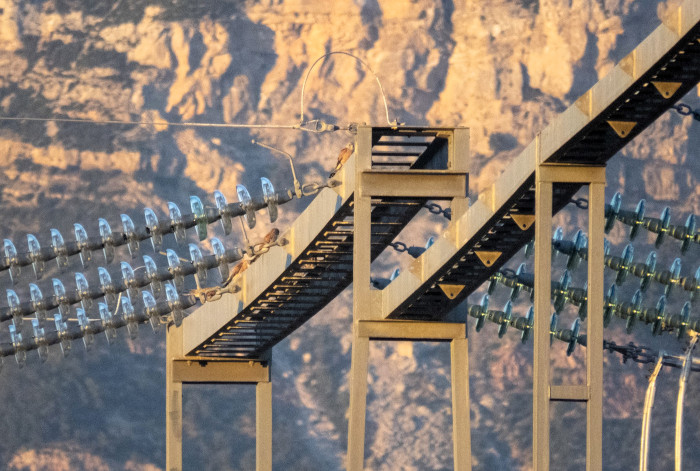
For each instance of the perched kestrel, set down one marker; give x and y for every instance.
(271, 237)
(343, 157)
(237, 270)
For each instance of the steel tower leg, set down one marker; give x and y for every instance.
(596, 299)
(362, 238)
(411, 331)
(173, 403)
(543, 391)
(461, 423)
(540, 372)
(358, 403)
(263, 426)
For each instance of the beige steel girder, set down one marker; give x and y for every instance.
(637, 90)
(204, 370)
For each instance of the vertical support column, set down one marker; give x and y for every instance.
(459, 161)
(543, 275)
(543, 391)
(173, 402)
(412, 331)
(358, 402)
(181, 370)
(263, 426)
(461, 424)
(362, 230)
(361, 305)
(367, 314)
(594, 349)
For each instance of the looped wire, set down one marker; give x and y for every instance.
(581, 203)
(381, 88)
(508, 272)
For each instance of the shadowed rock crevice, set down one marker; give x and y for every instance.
(528, 93)
(442, 31)
(371, 15)
(252, 54)
(585, 75)
(426, 74)
(197, 50)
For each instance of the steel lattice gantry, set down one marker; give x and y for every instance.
(570, 152)
(285, 287)
(645, 84)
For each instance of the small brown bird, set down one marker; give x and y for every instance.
(343, 157)
(271, 237)
(237, 270)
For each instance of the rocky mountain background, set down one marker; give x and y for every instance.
(503, 68)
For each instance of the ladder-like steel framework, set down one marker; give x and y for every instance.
(287, 286)
(444, 178)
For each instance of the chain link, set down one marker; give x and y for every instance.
(309, 189)
(435, 208)
(399, 246)
(646, 355)
(631, 352)
(214, 293)
(686, 110)
(581, 203)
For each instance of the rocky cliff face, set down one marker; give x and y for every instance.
(502, 68)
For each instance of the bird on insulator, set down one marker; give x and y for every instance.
(343, 157)
(237, 270)
(271, 237)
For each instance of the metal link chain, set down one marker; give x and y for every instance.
(581, 203)
(435, 208)
(640, 354)
(309, 189)
(399, 246)
(686, 110)
(632, 352)
(214, 293)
